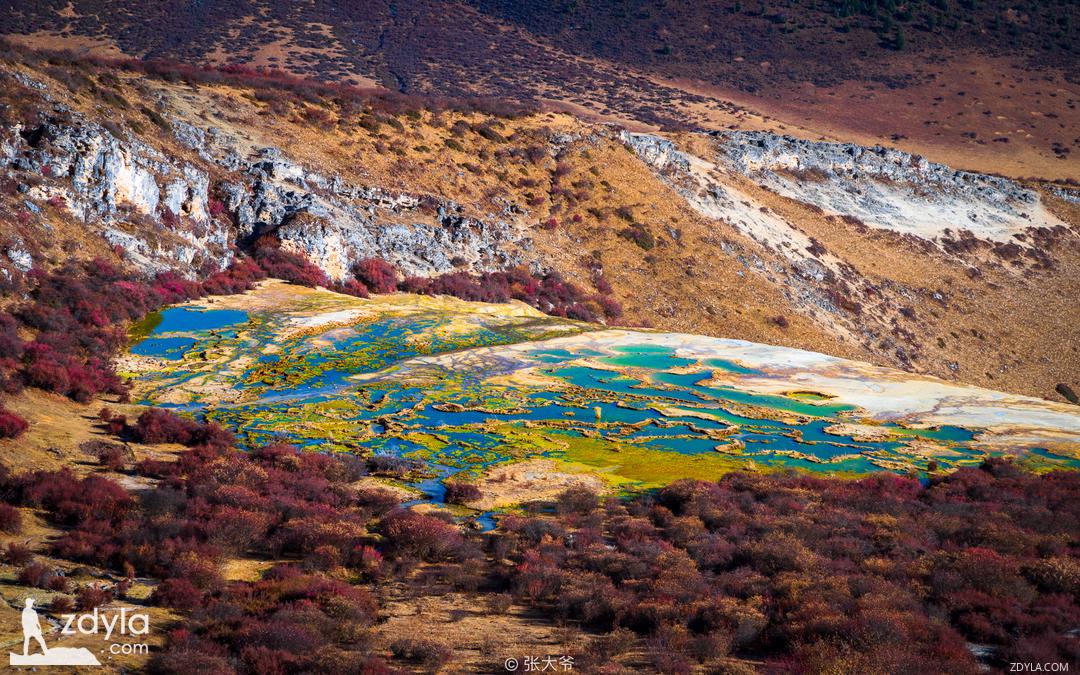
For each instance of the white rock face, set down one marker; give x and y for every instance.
(698, 181)
(107, 175)
(109, 180)
(187, 196)
(335, 224)
(153, 200)
(20, 258)
(136, 186)
(885, 188)
(881, 187)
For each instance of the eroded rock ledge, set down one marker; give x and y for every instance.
(172, 213)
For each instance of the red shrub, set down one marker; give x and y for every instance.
(47, 374)
(378, 275)
(461, 493)
(61, 604)
(638, 234)
(421, 650)
(291, 267)
(353, 287)
(111, 455)
(89, 597)
(609, 306)
(155, 468)
(366, 559)
(239, 277)
(236, 528)
(11, 380)
(11, 345)
(72, 501)
(36, 574)
(10, 519)
(549, 294)
(157, 425)
(212, 435)
(17, 554)
(414, 535)
(178, 594)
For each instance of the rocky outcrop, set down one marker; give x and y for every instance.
(696, 180)
(879, 187)
(809, 271)
(1068, 194)
(110, 183)
(107, 174)
(336, 224)
(157, 208)
(885, 188)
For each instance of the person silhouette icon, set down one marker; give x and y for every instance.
(32, 628)
(58, 656)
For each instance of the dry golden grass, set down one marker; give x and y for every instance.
(1009, 328)
(996, 98)
(58, 426)
(690, 282)
(480, 638)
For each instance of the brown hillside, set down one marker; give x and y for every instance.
(580, 195)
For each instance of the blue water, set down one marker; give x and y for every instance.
(189, 319)
(647, 356)
(182, 328)
(732, 366)
(172, 348)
